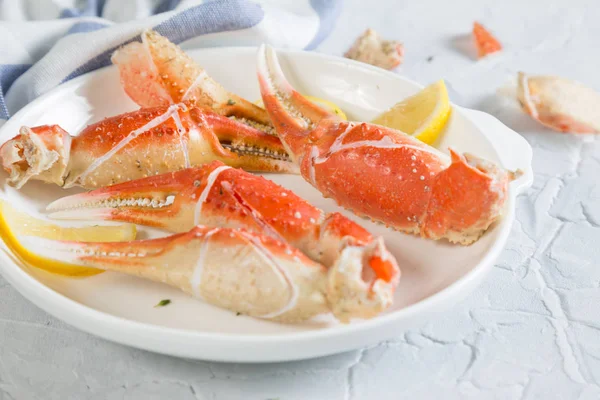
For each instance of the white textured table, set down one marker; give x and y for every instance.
(530, 331)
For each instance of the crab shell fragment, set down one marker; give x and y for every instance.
(156, 72)
(485, 43)
(370, 48)
(560, 104)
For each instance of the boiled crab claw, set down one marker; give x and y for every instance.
(217, 195)
(239, 270)
(560, 104)
(157, 72)
(382, 173)
(138, 144)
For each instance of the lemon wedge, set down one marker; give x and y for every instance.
(326, 104)
(15, 223)
(423, 115)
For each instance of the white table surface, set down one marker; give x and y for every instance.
(530, 331)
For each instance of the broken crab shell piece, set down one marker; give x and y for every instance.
(142, 143)
(484, 41)
(241, 271)
(402, 183)
(559, 103)
(216, 195)
(370, 48)
(156, 72)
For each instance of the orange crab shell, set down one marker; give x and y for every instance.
(484, 41)
(382, 173)
(141, 143)
(360, 272)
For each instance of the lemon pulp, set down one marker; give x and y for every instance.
(423, 115)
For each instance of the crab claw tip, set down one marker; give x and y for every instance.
(81, 214)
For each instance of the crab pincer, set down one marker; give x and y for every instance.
(156, 72)
(362, 274)
(306, 262)
(241, 271)
(141, 143)
(382, 173)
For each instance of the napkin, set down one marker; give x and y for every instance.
(48, 42)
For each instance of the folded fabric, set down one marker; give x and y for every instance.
(45, 43)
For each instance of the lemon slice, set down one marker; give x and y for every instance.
(423, 115)
(15, 223)
(326, 104)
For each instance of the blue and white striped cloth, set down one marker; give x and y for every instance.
(46, 42)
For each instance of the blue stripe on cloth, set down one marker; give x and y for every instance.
(8, 74)
(328, 11)
(100, 7)
(166, 5)
(86, 26)
(212, 17)
(92, 8)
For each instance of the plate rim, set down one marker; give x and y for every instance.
(122, 330)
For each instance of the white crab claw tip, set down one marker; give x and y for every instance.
(261, 61)
(66, 252)
(75, 201)
(81, 214)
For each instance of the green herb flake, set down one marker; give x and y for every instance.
(163, 303)
(230, 102)
(237, 314)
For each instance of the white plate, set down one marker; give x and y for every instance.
(435, 275)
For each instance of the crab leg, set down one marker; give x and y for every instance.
(217, 195)
(157, 72)
(382, 173)
(139, 144)
(235, 269)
